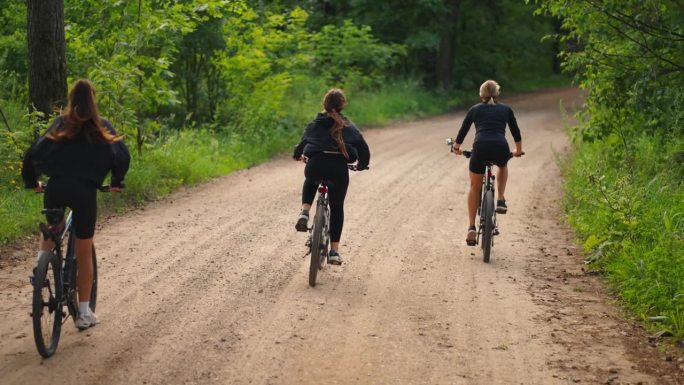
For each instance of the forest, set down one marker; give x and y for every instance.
(204, 87)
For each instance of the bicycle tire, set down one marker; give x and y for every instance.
(47, 311)
(93, 288)
(316, 239)
(488, 230)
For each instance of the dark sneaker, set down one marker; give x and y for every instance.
(302, 222)
(501, 206)
(471, 238)
(334, 258)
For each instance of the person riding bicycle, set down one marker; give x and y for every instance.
(77, 151)
(490, 118)
(330, 142)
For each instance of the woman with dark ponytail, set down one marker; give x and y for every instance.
(78, 150)
(330, 142)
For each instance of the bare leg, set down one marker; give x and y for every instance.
(84, 256)
(306, 206)
(474, 196)
(45, 244)
(501, 179)
(335, 246)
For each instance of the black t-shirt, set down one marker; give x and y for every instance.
(490, 123)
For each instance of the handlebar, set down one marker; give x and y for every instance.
(350, 166)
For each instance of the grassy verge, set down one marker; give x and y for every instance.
(627, 207)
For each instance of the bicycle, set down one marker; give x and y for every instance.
(319, 232)
(54, 282)
(488, 227)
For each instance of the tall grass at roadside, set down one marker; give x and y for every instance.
(627, 207)
(399, 101)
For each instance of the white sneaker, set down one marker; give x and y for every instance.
(84, 321)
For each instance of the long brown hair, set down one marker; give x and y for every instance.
(334, 102)
(81, 117)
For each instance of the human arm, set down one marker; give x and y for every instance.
(515, 131)
(363, 151)
(121, 160)
(29, 170)
(465, 127)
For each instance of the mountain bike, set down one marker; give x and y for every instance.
(54, 281)
(488, 227)
(319, 232)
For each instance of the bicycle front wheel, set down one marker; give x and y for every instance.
(316, 244)
(488, 225)
(47, 306)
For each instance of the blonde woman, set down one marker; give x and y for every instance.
(490, 118)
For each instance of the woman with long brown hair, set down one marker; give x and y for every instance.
(330, 142)
(77, 152)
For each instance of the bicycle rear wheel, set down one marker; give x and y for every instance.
(488, 225)
(93, 288)
(47, 306)
(316, 244)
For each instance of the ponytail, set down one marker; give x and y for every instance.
(333, 102)
(336, 131)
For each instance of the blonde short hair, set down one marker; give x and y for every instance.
(489, 89)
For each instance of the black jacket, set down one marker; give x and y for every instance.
(76, 158)
(317, 139)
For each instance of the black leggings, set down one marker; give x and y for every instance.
(80, 196)
(332, 168)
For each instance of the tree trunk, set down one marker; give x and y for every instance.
(446, 54)
(46, 55)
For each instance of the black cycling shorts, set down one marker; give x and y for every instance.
(495, 151)
(80, 196)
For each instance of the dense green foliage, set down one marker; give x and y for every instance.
(625, 183)
(204, 87)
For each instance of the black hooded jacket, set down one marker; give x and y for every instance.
(317, 138)
(76, 158)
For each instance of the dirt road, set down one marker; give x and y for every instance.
(210, 286)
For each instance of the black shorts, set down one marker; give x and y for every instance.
(495, 151)
(80, 196)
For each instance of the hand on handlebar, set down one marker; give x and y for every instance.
(39, 188)
(517, 153)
